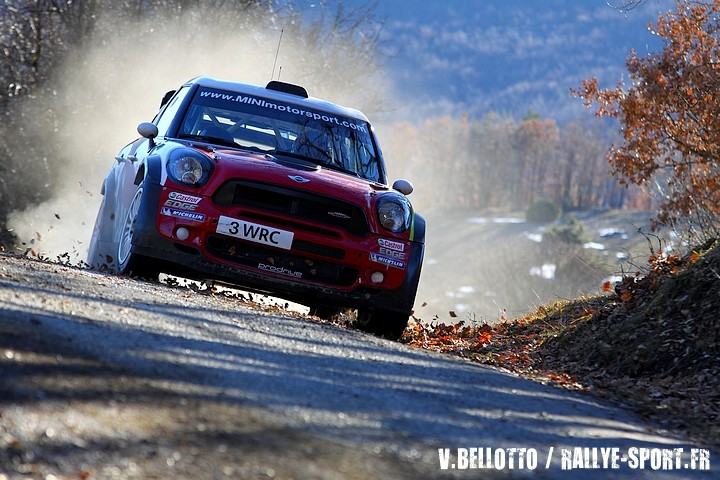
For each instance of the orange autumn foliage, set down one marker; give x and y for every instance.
(670, 114)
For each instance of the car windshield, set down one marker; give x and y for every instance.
(271, 126)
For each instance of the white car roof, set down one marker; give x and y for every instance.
(248, 89)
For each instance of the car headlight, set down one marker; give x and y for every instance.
(188, 167)
(394, 212)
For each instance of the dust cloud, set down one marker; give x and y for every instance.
(101, 93)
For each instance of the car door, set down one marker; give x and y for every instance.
(117, 189)
(119, 186)
(131, 159)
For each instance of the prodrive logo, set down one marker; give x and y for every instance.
(280, 270)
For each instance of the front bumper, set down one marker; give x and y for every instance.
(199, 257)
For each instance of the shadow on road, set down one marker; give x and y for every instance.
(320, 379)
(404, 390)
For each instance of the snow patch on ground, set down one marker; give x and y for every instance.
(613, 279)
(461, 307)
(612, 232)
(498, 220)
(508, 220)
(546, 271)
(461, 292)
(594, 246)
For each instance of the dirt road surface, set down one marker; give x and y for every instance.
(109, 377)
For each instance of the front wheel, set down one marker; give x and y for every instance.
(129, 262)
(383, 323)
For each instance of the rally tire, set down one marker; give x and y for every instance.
(383, 323)
(129, 262)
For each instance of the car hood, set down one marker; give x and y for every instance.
(294, 173)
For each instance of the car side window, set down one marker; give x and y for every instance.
(170, 111)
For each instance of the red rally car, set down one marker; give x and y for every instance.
(270, 190)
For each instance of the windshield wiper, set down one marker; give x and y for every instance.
(221, 141)
(312, 160)
(209, 139)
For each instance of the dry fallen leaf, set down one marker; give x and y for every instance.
(693, 257)
(484, 337)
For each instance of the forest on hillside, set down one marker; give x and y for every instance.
(64, 64)
(497, 162)
(489, 162)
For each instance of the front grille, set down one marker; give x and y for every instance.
(300, 205)
(252, 255)
(321, 250)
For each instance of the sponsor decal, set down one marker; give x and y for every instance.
(180, 205)
(280, 270)
(391, 262)
(392, 245)
(255, 232)
(281, 107)
(392, 253)
(185, 215)
(184, 197)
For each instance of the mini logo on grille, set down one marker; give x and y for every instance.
(339, 215)
(298, 178)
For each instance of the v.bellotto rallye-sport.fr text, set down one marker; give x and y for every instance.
(268, 189)
(575, 458)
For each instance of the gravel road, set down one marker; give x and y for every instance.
(109, 377)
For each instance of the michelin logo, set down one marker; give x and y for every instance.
(185, 215)
(391, 262)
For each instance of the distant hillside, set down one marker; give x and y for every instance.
(509, 56)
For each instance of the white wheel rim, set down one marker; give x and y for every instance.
(126, 239)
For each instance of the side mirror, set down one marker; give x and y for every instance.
(147, 130)
(403, 186)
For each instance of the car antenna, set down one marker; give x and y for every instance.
(279, 73)
(276, 54)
